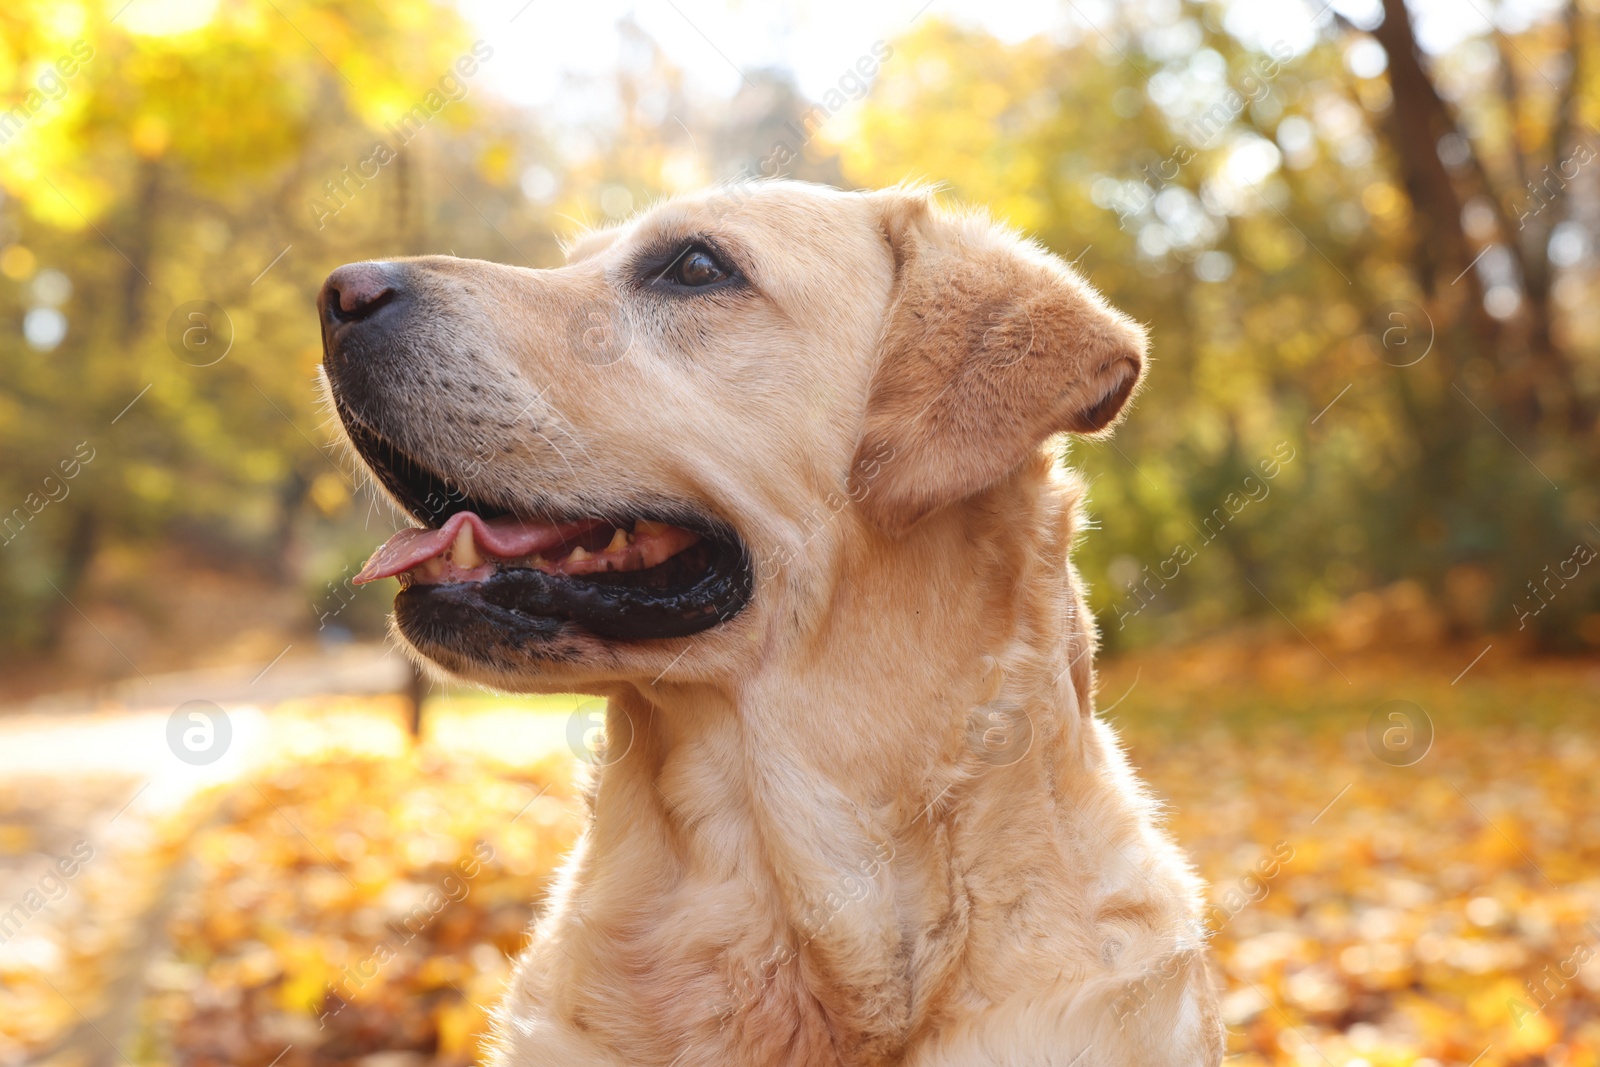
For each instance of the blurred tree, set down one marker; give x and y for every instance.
(1291, 223)
(1368, 272)
(230, 160)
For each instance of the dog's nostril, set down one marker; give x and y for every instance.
(356, 291)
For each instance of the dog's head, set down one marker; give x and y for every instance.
(627, 465)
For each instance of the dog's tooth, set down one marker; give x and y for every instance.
(465, 551)
(432, 569)
(578, 555)
(619, 541)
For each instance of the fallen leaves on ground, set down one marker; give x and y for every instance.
(357, 902)
(354, 908)
(1378, 912)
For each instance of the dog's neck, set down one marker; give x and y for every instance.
(963, 648)
(931, 727)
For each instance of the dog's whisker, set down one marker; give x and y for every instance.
(577, 441)
(570, 468)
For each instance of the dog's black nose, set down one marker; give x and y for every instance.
(360, 305)
(356, 291)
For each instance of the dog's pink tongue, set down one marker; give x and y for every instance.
(508, 538)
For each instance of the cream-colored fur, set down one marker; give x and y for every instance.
(873, 819)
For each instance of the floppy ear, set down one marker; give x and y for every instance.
(991, 345)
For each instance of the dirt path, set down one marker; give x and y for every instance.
(102, 773)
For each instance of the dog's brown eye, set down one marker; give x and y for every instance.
(697, 267)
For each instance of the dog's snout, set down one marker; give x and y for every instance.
(356, 291)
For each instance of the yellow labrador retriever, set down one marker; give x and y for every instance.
(772, 469)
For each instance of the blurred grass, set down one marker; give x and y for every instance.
(359, 900)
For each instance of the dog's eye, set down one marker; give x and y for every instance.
(695, 268)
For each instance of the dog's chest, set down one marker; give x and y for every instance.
(755, 988)
(804, 1016)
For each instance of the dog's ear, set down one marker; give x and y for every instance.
(991, 345)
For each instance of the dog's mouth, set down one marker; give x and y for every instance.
(476, 563)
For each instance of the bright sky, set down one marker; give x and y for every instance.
(539, 44)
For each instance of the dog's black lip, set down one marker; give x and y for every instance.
(522, 607)
(529, 606)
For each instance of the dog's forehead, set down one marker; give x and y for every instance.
(745, 216)
(591, 243)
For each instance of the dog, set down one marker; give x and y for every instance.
(775, 470)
